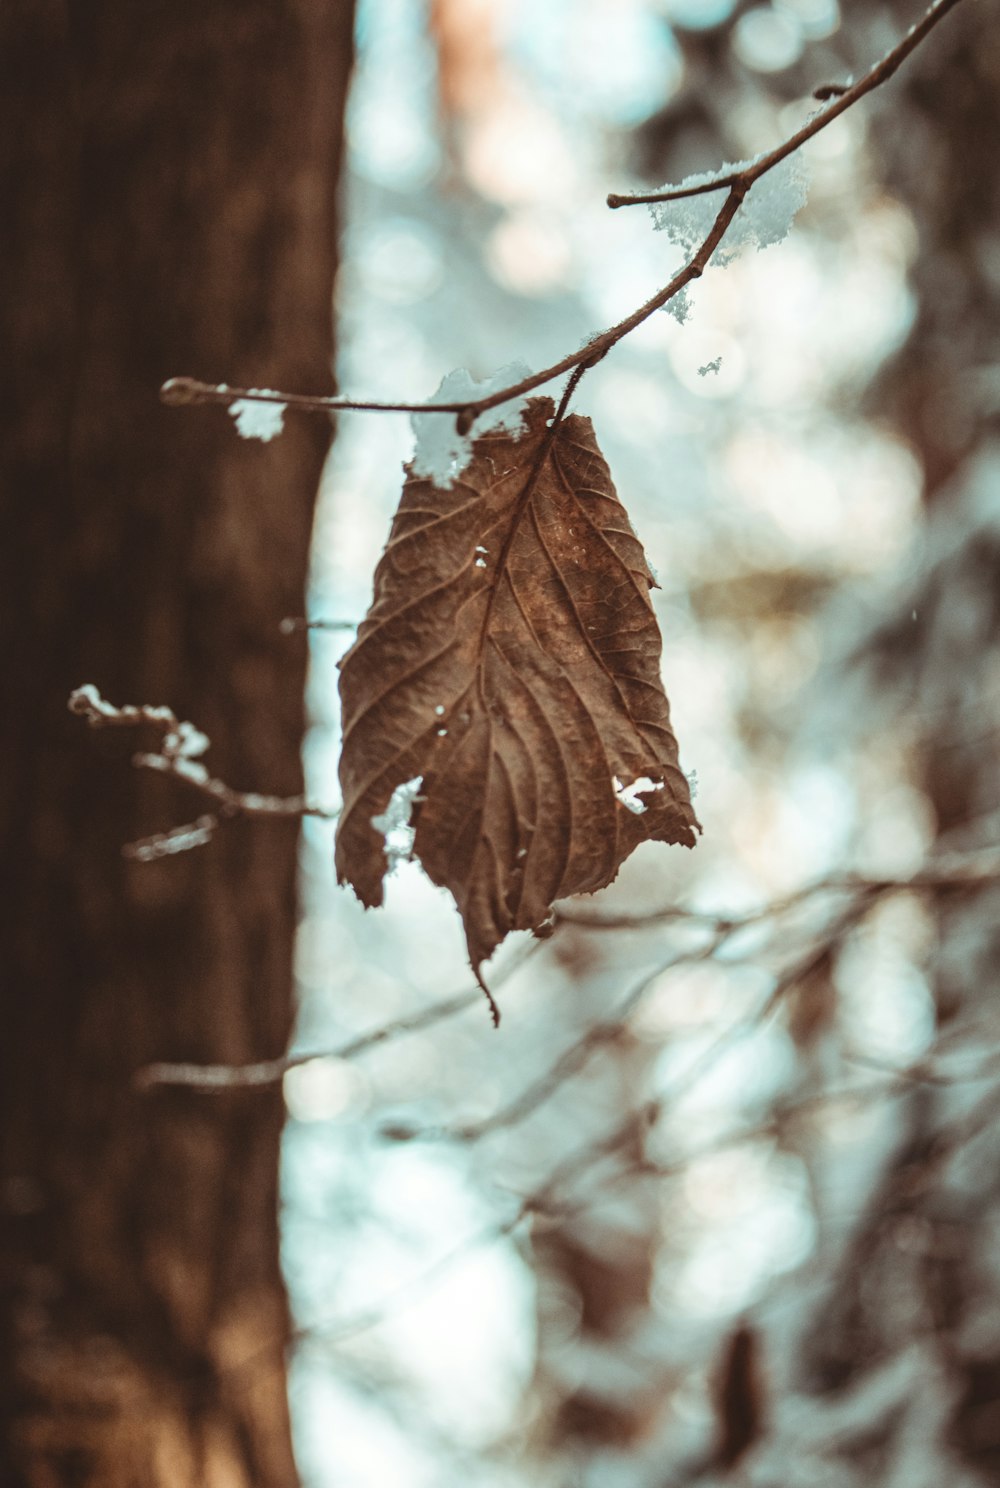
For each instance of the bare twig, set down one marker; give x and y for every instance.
(180, 391)
(292, 624)
(188, 390)
(176, 840)
(466, 413)
(957, 870)
(213, 1079)
(543, 1201)
(951, 870)
(574, 1058)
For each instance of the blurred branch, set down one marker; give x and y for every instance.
(968, 870)
(294, 623)
(544, 1203)
(213, 1079)
(573, 1059)
(843, 99)
(181, 391)
(179, 754)
(951, 870)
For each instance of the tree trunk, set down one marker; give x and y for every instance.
(169, 174)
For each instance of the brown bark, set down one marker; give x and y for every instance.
(169, 172)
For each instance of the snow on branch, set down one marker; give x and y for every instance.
(758, 227)
(179, 754)
(841, 98)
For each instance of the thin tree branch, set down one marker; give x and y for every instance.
(843, 98)
(176, 840)
(543, 1202)
(181, 391)
(951, 870)
(292, 624)
(214, 1079)
(957, 870)
(574, 1058)
(187, 390)
(178, 392)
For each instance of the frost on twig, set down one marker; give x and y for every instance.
(765, 215)
(177, 840)
(179, 755)
(761, 218)
(442, 453)
(86, 702)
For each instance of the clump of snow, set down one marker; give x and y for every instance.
(764, 217)
(186, 742)
(258, 420)
(679, 306)
(629, 795)
(172, 764)
(442, 453)
(394, 822)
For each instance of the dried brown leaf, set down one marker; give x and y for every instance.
(511, 658)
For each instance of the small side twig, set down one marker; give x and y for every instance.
(293, 624)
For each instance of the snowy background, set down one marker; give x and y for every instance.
(523, 1257)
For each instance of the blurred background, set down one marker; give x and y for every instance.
(720, 1199)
